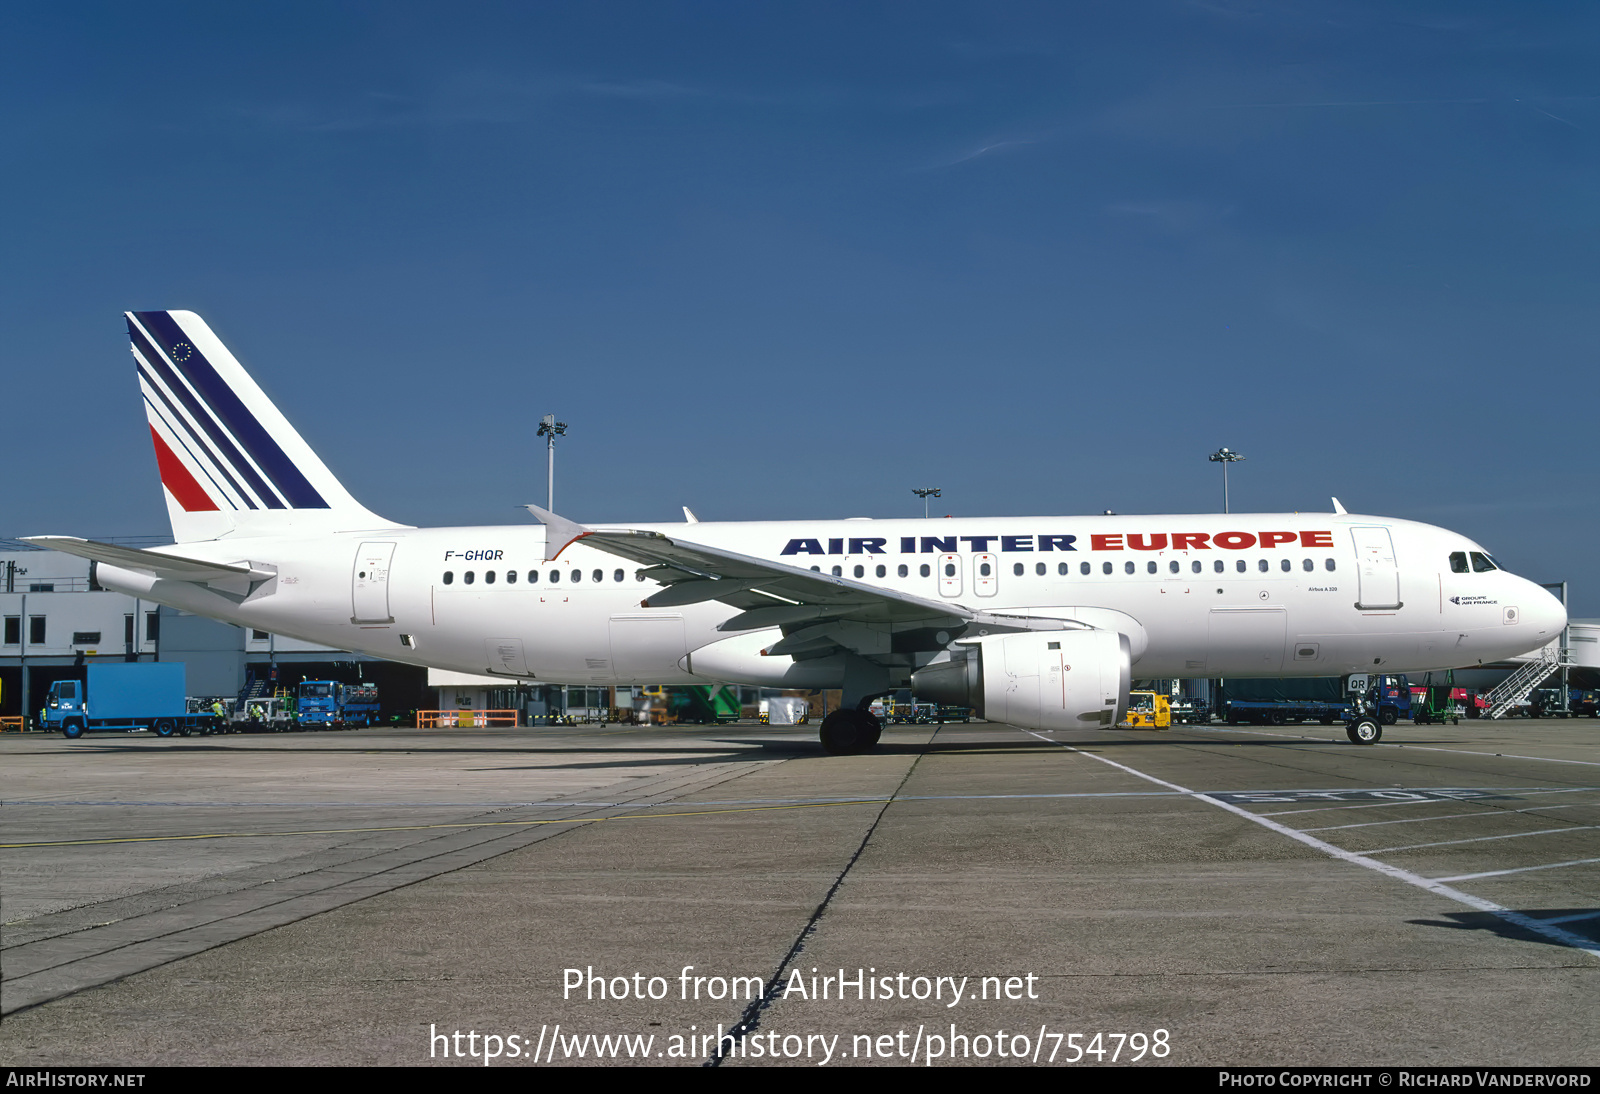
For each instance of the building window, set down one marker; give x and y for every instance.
(42, 587)
(13, 630)
(152, 626)
(127, 630)
(85, 638)
(258, 636)
(36, 630)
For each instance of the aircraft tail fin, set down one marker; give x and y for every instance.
(230, 461)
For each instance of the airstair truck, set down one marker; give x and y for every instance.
(124, 696)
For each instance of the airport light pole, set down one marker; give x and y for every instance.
(1224, 457)
(925, 494)
(550, 429)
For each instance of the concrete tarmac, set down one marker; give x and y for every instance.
(1200, 896)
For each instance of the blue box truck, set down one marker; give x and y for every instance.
(147, 695)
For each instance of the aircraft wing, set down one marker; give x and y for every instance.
(811, 607)
(155, 562)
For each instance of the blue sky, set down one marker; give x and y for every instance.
(792, 260)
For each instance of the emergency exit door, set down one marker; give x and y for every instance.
(949, 575)
(369, 584)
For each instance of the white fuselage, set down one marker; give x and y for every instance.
(1207, 595)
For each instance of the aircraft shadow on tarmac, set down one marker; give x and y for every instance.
(1586, 925)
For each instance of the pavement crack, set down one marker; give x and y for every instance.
(750, 1020)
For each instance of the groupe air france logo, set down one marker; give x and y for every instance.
(1471, 600)
(182, 351)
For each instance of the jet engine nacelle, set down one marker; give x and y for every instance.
(1036, 679)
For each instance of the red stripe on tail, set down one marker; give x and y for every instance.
(176, 478)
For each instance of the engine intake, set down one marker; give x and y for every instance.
(1035, 679)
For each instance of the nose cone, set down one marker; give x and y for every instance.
(1543, 617)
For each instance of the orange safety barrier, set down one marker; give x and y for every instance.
(12, 725)
(465, 719)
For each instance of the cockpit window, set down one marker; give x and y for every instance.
(1458, 562)
(1482, 563)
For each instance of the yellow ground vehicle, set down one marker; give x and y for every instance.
(1147, 710)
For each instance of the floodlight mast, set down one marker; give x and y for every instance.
(550, 429)
(1224, 457)
(926, 493)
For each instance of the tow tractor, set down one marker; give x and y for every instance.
(1148, 710)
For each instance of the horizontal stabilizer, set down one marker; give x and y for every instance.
(173, 567)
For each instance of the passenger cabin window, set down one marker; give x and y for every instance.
(449, 577)
(925, 570)
(533, 577)
(985, 570)
(616, 575)
(555, 577)
(904, 570)
(1105, 567)
(949, 569)
(1330, 564)
(1482, 563)
(468, 577)
(1239, 565)
(837, 572)
(1173, 566)
(1017, 570)
(1041, 569)
(1284, 565)
(861, 571)
(1458, 562)
(1307, 565)
(1128, 566)
(511, 577)
(598, 575)
(1083, 568)
(1150, 567)
(882, 571)
(488, 577)
(577, 575)
(1219, 565)
(1262, 565)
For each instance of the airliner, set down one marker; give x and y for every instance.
(1038, 622)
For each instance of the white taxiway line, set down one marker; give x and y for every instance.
(1432, 885)
(1447, 816)
(1520, 870)
(1482, 839)
(1419, 748)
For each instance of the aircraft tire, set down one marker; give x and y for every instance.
(1364, 731)
(847, 732)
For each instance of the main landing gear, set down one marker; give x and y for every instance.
(848, 731)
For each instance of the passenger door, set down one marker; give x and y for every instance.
(1377, 572)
